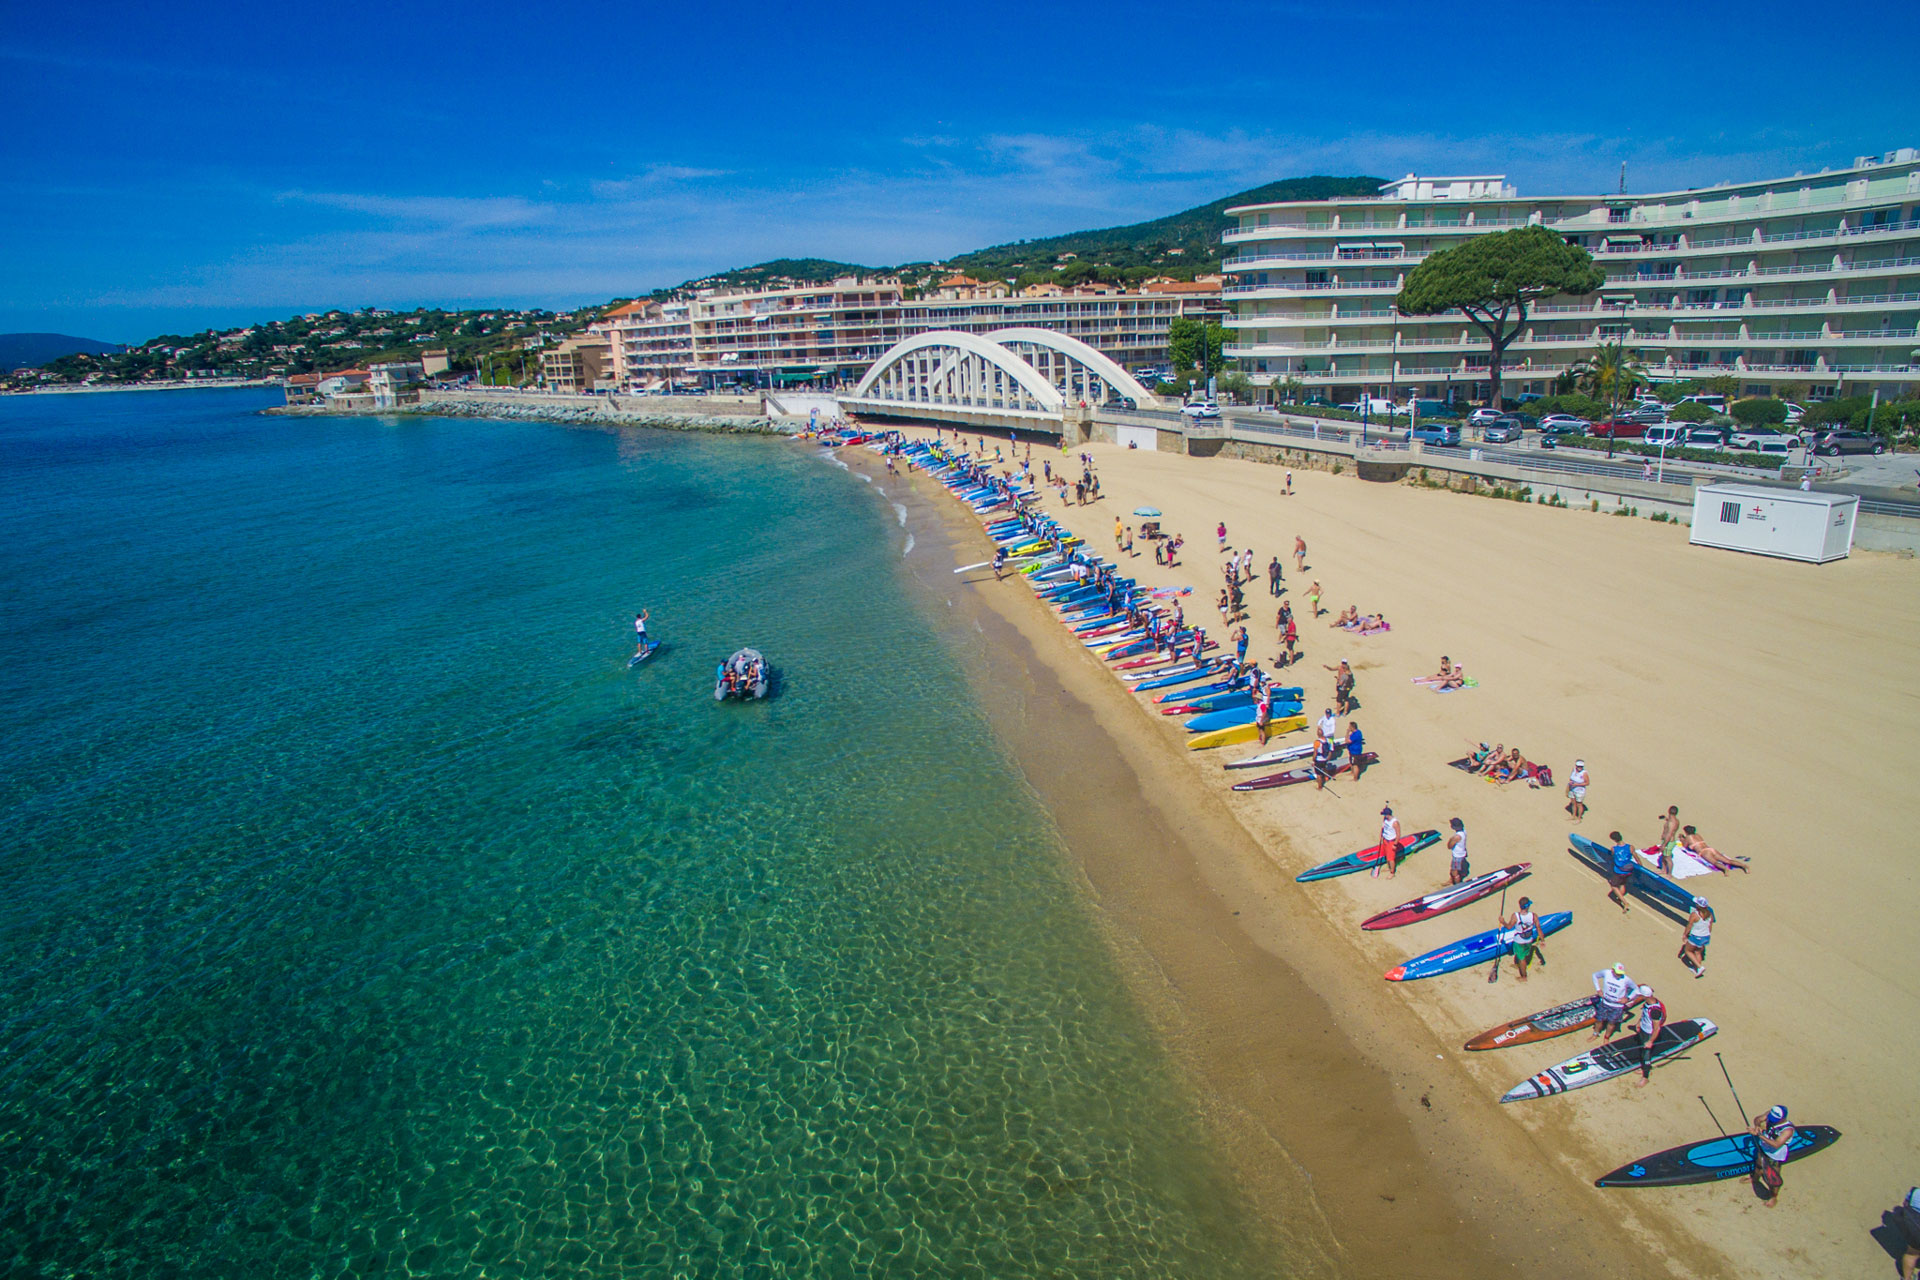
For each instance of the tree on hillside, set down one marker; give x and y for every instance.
(1493, 279)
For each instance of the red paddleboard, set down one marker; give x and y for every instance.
(1441, 901)
(1292, 777)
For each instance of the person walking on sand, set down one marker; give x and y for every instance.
(1240, 646)
(1299, 554)
(1389, 843)
(1693, 952)
(1653, 1020)
(1263, 710)
(1356, 748)
(1289, 637)
(1577, 790)
(1274, 575)
(1342, 685)
(1246, 564)
(1313, 599)
(1526, 937)
(1222, 531)
(1457, 851)
(1620, 871)
(1772, 1148)
(1119, 529)
(1614, 989)
(1288, 491)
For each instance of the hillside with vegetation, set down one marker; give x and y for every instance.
(29, 350)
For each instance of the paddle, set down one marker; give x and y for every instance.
(1730, 1089)
(1499, 955)
(1716, 1119)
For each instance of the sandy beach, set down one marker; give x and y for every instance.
(1677, 673)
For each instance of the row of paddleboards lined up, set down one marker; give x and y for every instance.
(1220, 711)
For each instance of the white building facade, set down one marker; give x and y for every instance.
(1810, 283)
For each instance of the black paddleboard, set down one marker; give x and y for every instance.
(1711, 1159)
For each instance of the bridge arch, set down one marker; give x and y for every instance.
(1076, 352)
(960, 370)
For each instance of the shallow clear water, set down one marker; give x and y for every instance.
(364, 914)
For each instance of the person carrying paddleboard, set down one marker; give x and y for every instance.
(1615, 989)
(1653, 1020)
(1526, 936)
(1772, 1147)
(999, 563)
(1457, 849)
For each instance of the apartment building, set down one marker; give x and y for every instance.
(580, 363)
(1810, 282)
(832, 333)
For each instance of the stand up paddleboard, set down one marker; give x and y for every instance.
(1441, 901)
(1610, 1061)
(1294, 777)
(1712, 1159)
(1649, 886)
(1371, 856)
(1574, 1015)
(644, 654)
(1467, 952)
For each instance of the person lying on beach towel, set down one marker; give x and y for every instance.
(1371, 624)
(1690, 841)
(1444, 674)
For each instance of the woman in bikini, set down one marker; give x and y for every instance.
(1690, 841)
(1441, 676)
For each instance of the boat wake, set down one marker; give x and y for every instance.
(909, 547)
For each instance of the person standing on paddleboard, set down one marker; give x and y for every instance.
(1620, 871)
(1772, 1148)
(1615, 989)
(1693, 952)
(1457, 848)
(1389, 842)
(640, 630)
(1526, 936)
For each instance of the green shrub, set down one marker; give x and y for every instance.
(1578, 405)
(1761, 411)
(1692, 411)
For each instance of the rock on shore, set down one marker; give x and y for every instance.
(596, 415)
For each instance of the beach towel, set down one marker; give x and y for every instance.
(1366, 631)
(1685, 864)
(1470, 683)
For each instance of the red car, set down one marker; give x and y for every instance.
(1617, 428)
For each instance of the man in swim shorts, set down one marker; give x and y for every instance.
(1526, 936)
(1615, 989)
(1619, 871)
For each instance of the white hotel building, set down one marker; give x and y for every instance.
(1810, 282)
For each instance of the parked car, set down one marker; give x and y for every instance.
(1371, 406)
(1439, 433)
(1782, 445)
(1621, 428)
(1713, 401)
(1705, 438)
(1201, 409)
(1505, 431)
(1124, 402)
(1527, 421)
(1648, 416)
(1564, 424)
(1432, 408)
(1794, 412)
(1668, 435)
(1481, 417)
(1759, 438)
(1835, 443)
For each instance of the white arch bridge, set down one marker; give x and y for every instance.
(1029, 379)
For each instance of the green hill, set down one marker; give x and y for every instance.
(1183, 243)
(28, 350)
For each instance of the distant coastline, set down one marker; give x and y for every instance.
(173, 384)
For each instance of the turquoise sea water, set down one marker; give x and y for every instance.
(364, 915)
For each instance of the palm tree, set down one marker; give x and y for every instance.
(1609, 373)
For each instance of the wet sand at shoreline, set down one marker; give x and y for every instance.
(1679, 674)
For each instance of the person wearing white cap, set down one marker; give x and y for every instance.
(1772, 1148)
(1577, 790)
(1693, 952)
(1653, 1020)
(1615, 989)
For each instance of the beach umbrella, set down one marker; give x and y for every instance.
(1149, 512)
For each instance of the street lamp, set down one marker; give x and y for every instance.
(1619, 360)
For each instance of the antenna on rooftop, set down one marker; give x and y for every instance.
(1623, 177)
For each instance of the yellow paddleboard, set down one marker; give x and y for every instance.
(1245, 733)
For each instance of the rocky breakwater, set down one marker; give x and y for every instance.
(631, 411)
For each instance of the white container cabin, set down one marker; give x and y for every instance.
(1795, 525)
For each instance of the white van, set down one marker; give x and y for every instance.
(1670, 434)
(1713, 401)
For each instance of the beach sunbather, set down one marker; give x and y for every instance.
(1490, 760)
(1690, 841)
(1349, 616)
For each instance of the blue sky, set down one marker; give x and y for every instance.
(165, 168)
